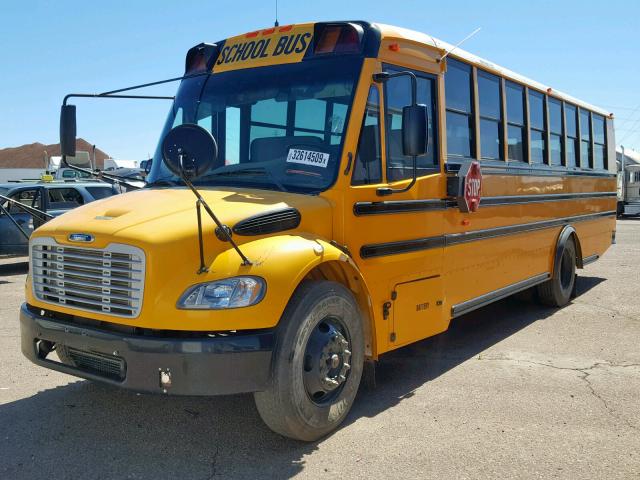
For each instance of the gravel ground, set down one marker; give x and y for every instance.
(513, 390)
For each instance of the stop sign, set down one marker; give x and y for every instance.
(472, 187)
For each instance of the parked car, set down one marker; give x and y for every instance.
(52, 198)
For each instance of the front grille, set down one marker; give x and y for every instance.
(109, 280)
(96, 363)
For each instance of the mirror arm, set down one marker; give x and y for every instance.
(223, 228)
(381, 78)
(44, 216)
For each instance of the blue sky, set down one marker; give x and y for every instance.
(589, 49)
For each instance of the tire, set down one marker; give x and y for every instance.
(296, 404)
(558, 290)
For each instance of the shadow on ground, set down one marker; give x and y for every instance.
(84, 430)
(11, 269)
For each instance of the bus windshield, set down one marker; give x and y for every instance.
(278, 127)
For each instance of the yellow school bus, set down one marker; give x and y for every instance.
(322, 193)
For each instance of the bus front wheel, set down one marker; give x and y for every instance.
(557, 291)
(317, 363)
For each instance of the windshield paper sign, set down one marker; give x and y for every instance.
(273, 46)
(308, 157)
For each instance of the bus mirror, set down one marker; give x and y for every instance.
(68, 130)
(189, 151)
(145, 165)
(414, 130)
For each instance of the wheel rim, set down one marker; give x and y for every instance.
(327, 361)
(566, 270)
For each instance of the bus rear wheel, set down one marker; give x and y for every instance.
(557, 291)
(317, 363)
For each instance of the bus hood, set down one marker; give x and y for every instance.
(150, 217)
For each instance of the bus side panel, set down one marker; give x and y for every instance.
(499, 260)
(595, 236)
(477, 268)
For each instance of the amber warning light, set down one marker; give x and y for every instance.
(338, 38)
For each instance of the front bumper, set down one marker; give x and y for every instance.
(206, 365)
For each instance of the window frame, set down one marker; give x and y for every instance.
(545, 127)
(551, 133)
(383, 170)
(524, 127)
(471, 115)
(589, 165)
(575, 138)
(499, 121)
(435, 121)
(603, 145)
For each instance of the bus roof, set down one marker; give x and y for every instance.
(389, 31)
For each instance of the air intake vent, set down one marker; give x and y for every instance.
(271, 222)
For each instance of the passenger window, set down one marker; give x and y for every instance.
(572, 135)
(310, 114)
(555, 131)
(585, 139)
(459, 114)
(515, 122)
(490, 116)
(599, 142)
(64, 198)
(397, 96)
(268, 119)
(101, 192)
(536, 123)
(30, 198)
(368, 166)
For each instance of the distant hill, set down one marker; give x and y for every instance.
(32, 155)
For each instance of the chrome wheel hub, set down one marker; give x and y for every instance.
(326, 361)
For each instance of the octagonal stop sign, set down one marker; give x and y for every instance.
(472, 187)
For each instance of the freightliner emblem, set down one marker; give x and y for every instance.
(80, 237)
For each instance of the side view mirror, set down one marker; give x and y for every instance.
(68, 130)
(145, 165)
(189, 151)
(414, 130)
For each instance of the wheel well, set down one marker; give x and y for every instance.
(348, 276)
(568, 233)
(576, 242)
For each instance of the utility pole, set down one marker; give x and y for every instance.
(624, 174)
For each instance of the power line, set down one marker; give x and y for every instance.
(631, 129)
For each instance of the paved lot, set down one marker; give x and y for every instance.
(513, 390)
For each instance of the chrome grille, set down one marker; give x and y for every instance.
(109, 280)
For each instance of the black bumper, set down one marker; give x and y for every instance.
(193, 366)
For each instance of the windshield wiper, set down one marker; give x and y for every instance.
(247, 171)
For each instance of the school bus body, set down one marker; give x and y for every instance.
(412, 260)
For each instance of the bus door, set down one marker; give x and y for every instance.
(397, 239)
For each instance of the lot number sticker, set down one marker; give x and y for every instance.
(308, 157)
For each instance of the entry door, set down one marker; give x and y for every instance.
(394, 238)
(12, 241)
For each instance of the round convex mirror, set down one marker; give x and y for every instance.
(189, 150)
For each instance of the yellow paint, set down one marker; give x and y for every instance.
(427, 283)
(273, 46)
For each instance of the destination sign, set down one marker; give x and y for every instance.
(273, 46)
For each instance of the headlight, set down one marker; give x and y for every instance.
(229, 293)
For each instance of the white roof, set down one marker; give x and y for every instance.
(400, 32)
(629, 154)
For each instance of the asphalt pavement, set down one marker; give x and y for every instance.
(514, 390)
